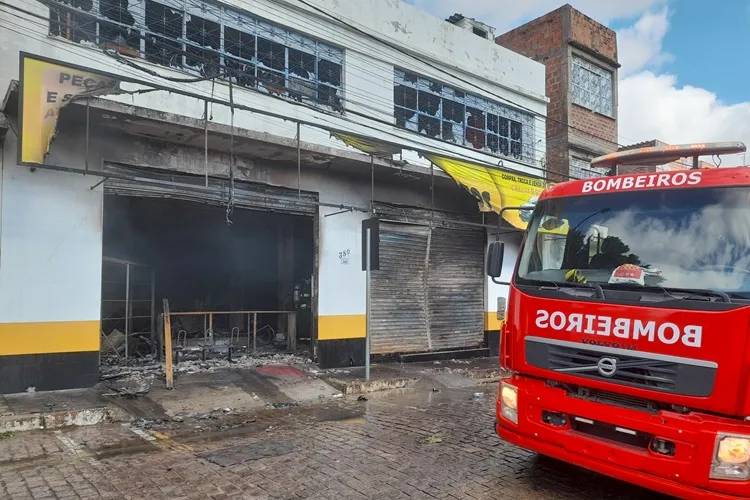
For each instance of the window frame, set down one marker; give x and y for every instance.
(590, 172)
(519, 124)
(226, 17)
(582, 64)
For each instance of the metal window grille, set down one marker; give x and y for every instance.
(207, 39)
(446, 113)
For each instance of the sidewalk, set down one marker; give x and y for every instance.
(204, 390)
(451, 374)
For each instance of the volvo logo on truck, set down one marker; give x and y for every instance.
(607, 367)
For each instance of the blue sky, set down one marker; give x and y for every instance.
(685, 69)
(708, 44)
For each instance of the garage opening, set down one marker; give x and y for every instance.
(231, 289)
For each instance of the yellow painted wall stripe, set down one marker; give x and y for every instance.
(342, 327)
(491, 323)
(49, 337)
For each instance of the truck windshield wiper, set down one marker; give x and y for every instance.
(675, 293)
(692, 293)
(556, 286)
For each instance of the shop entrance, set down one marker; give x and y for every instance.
(243, 287)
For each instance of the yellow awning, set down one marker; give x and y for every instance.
(493, 188)
(368, 145)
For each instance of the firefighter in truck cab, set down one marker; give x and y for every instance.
(627, 332)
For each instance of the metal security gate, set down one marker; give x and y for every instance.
(429, 292)
(152, 183)
(398, 303)
(456, 288)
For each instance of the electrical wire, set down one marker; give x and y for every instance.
(218, 53)
(393, 46)
(230, 204)
(379, 39)
(193, 56)
(361, 93)
(432, 147)
(152, 73)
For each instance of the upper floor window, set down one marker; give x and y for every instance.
(592, 87)
(582, 169)
(207, 39)
(443, 112)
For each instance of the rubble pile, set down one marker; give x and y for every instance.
(150, 370)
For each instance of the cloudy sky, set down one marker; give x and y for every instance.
(685, 72)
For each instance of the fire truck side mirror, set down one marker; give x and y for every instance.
(495, 254)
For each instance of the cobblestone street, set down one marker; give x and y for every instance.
(417, 444)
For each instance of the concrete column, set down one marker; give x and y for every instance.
(285, 273)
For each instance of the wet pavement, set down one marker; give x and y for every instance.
(415, 443)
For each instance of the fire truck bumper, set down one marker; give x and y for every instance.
(587, 434)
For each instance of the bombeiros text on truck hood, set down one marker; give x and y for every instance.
(622, 328)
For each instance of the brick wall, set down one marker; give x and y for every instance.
(591, 34)
(543, 40)
(588, 33)
(536, 38)
(594, 124)
(547, 39)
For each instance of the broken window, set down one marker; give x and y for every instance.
(271, 66)
(74, 20)
(430, 126)
(406, 118)
(405, 96)
(202, 54)
(443, 112)
(165, 26)
(241, 67)
(119, 34)
(301, 75)
(330, 77)
(208, 39)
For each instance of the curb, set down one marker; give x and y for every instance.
(369, 386)
(488, 375)
(60, 419)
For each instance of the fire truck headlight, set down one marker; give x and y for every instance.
(509, 402)
(732, 458)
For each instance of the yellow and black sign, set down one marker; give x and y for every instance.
(46, 87)
(493, 188)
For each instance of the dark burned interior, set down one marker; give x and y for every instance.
(246, 273)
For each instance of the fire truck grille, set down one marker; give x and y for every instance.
(684, 376)
(614, 399)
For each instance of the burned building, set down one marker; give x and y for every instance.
(214, 161)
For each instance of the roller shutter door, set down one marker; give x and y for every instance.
(429, 292)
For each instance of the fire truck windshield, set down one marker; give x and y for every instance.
(679, 238)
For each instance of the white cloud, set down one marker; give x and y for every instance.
(507, 14)
(654, 105)
(640, 45)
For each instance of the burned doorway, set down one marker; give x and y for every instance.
(244, 286)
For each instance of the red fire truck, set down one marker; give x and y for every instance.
(627, 332)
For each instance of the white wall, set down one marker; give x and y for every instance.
(50, 246)
(368, 69)
(494, 290)
(342, 281)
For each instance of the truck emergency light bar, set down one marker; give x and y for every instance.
(660, 155)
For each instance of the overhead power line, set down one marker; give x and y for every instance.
(389, 124)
